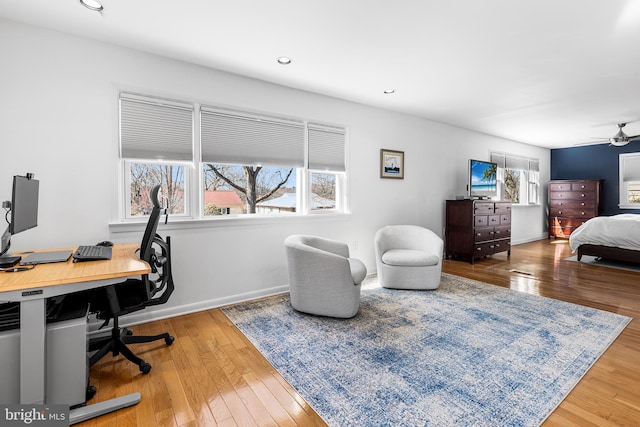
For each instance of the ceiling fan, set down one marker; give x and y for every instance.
(621, 139)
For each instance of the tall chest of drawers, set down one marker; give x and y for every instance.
(571, 203)
(477, 228)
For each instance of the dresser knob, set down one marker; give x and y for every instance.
(582, 195)
(582, 204)
(582, 213)
(559, 212)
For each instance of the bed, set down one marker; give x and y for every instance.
(614, 237)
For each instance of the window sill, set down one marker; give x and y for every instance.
(520, 205)
(176, 223)
(635, 207)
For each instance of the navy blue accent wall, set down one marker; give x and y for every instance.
(599, 161)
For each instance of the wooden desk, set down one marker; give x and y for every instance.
(31, 288)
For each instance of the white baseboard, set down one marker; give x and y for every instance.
(530, 239)
(146, 316)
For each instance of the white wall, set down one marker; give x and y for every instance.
(58, 119)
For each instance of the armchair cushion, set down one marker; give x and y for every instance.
(409, 257)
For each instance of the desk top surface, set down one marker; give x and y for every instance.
(124, 263)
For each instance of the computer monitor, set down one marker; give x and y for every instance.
(23, 208)
(24, 203)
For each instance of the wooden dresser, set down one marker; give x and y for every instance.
(477, 228)
(571, 203)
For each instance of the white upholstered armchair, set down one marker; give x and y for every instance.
(323, 280)
(408, 257)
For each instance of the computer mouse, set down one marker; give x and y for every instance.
(105, 243)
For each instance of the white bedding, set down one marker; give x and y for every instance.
(620, 231)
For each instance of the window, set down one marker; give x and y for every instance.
(326, 166)
(518, 178)
(254, 157)
(234, 163)
(156, 142)
(630, 181)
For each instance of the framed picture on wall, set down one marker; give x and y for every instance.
(391, 164)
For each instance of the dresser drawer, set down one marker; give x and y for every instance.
(481, 220)
(494, 219)
(501, 245)
(502, 232)
(572, 195)
(503, 208)
(583, 186)
(483, 249)
(482, 234)
(574, 213)
(564, 186)
(490, 248)
(566, 222)
(572, 204)
(484, 208)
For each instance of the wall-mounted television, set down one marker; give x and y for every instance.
(483, 181)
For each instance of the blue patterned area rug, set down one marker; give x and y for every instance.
(467, 354)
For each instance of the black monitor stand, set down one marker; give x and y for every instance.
(6, 260)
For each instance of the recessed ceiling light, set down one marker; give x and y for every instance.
(92, 4)
(389, 91)
(284, 60)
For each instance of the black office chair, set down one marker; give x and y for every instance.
(155, 288)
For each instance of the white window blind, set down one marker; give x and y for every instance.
(326, 148)
(233, 137)
(507, 161)
(516, 163)
(630, 166)
(499, 159)
(155, 129)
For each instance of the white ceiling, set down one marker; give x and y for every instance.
(553, 73)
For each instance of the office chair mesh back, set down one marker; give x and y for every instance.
(152, 225)
(136, 294)
(157, 253)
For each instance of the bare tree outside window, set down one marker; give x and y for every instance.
(324, 186)
(512, 185)
(253, 184)
(144, 176)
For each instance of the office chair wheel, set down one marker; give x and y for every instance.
(169, 340)
(91, 391)
(145, 367)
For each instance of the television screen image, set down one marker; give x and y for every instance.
(482, 179)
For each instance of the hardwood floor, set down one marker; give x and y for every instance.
(213, 376)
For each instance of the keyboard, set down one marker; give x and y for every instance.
(92, 253)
